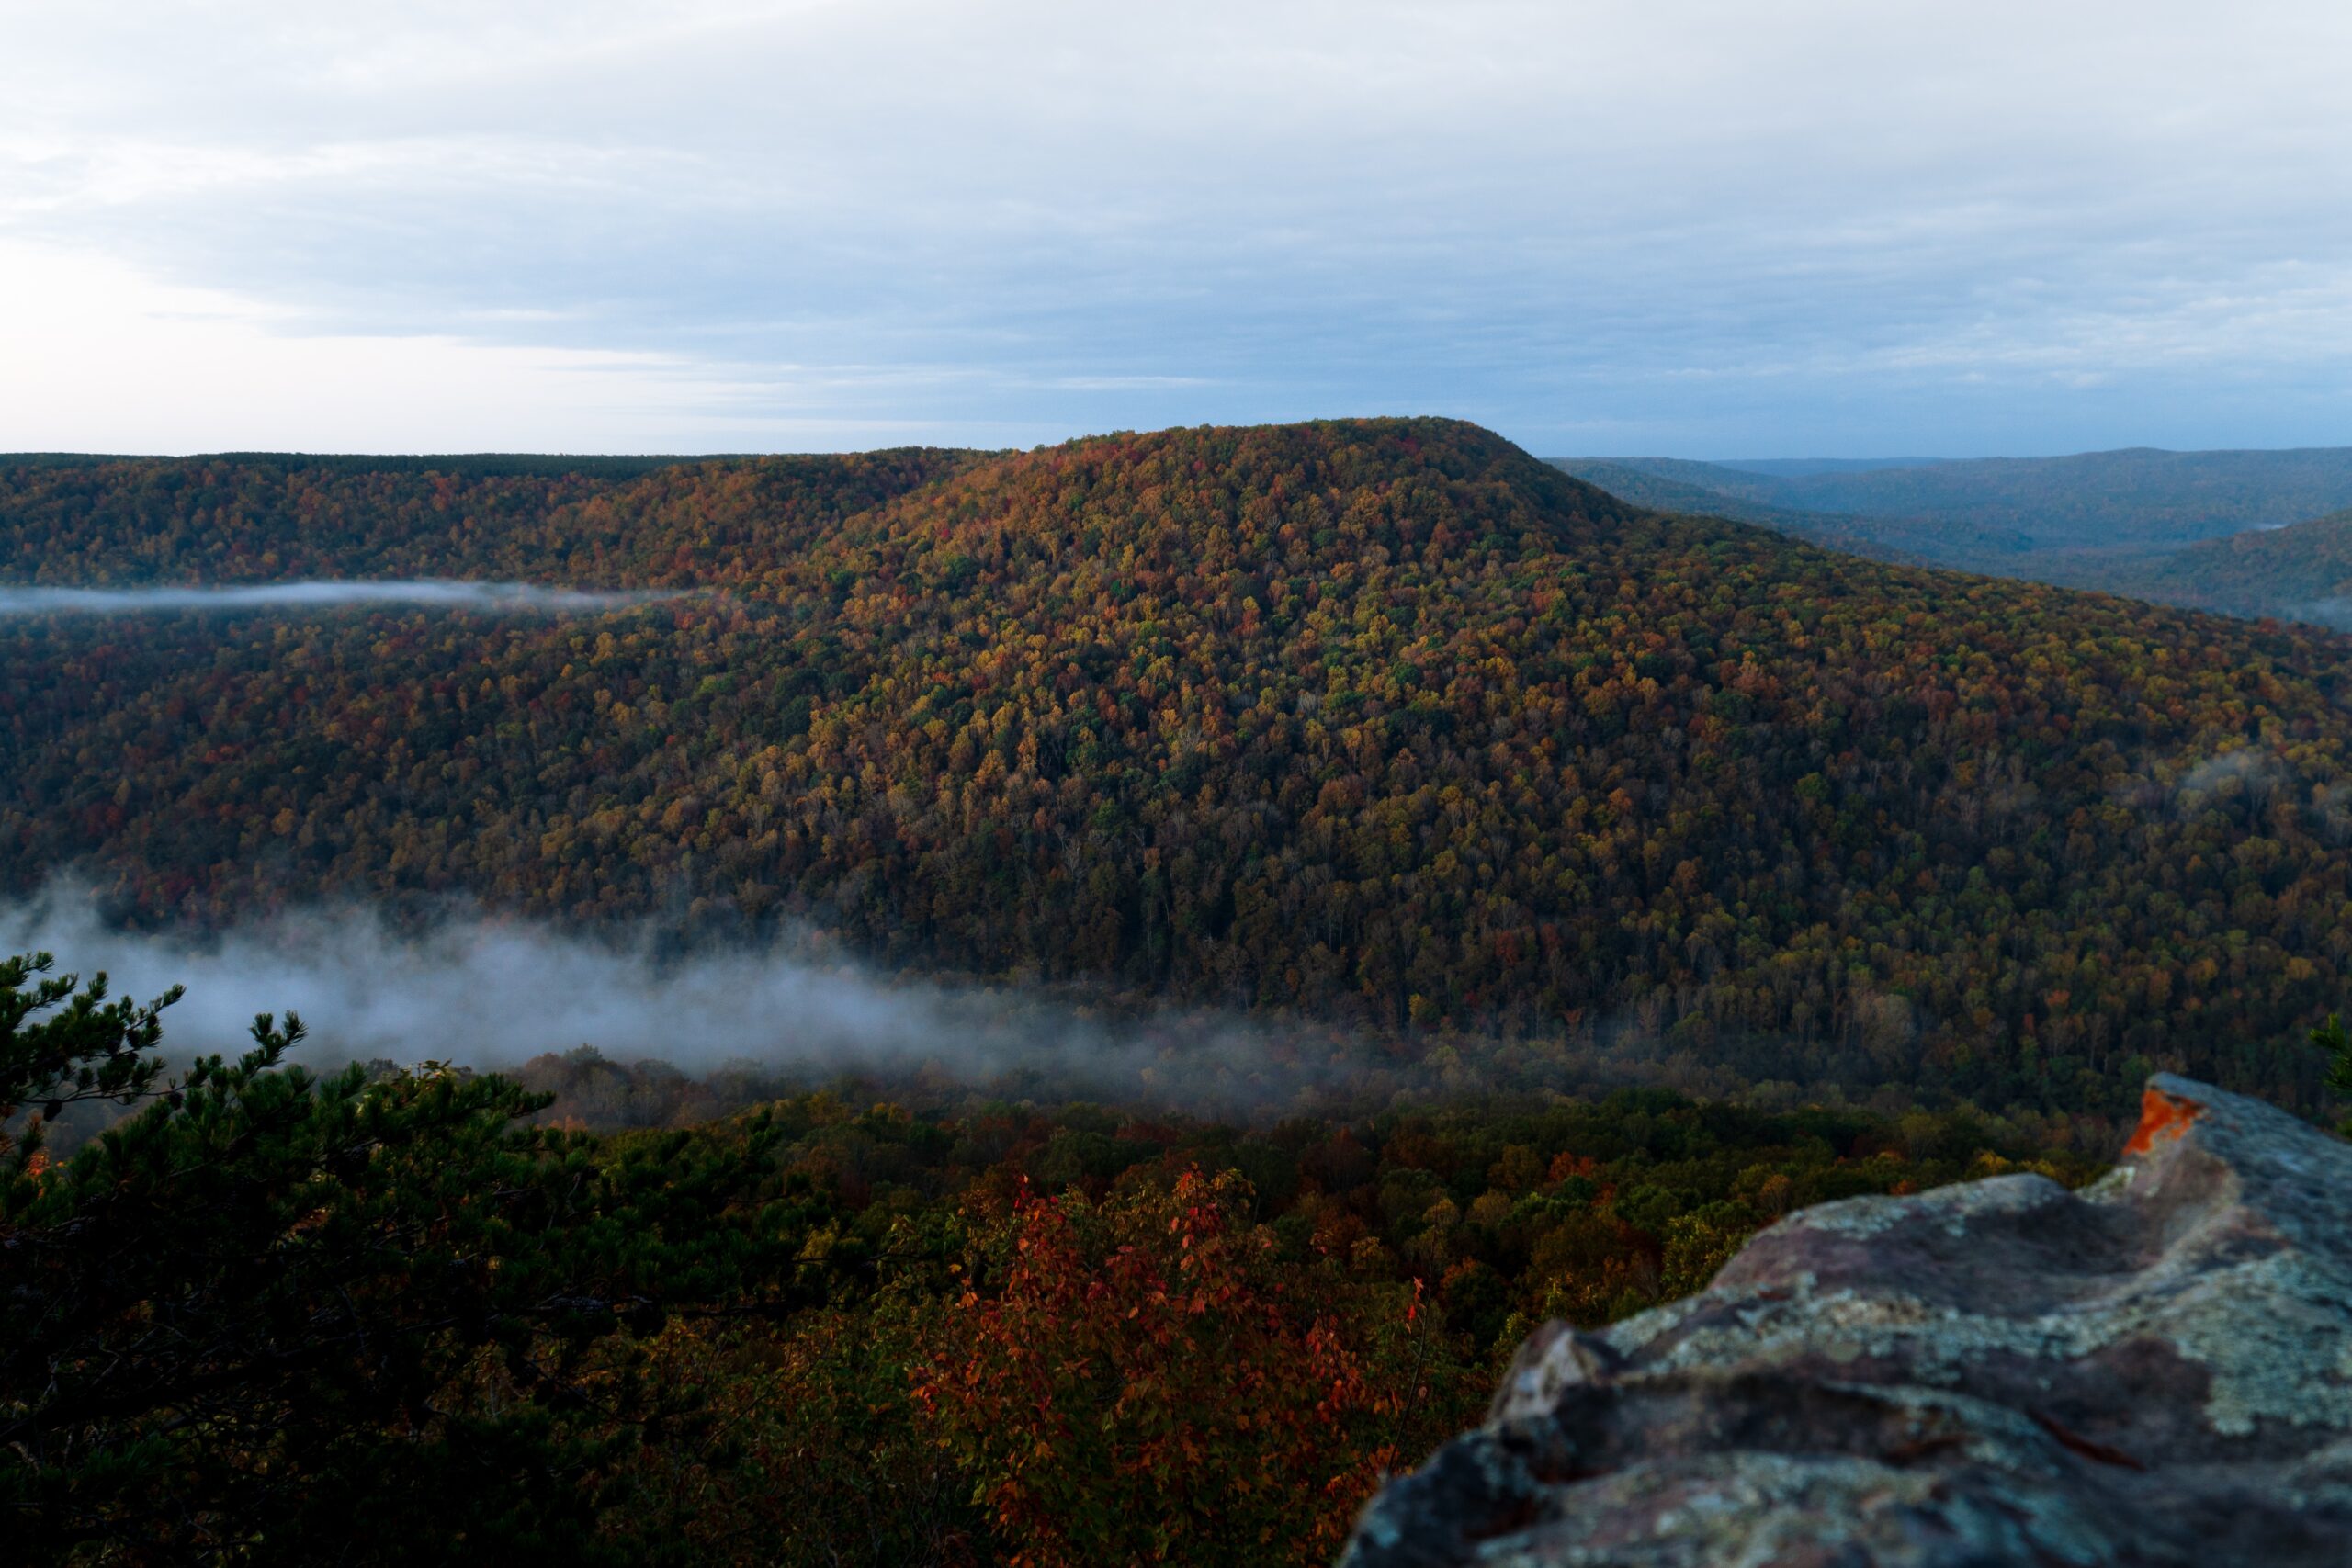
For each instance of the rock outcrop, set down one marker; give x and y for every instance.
(2155, 1371)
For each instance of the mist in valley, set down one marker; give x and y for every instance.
(752, 1020)
(426, 592)
(490, 992)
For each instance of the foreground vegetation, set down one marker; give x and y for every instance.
(384, 1316)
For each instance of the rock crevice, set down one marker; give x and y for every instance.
(2155, 1370)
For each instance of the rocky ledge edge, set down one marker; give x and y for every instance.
(2156, 1370)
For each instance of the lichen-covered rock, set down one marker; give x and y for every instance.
(2157, 1371)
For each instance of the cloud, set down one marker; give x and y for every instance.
(97, 347)
(2244, 766)
(2335, 613)
(1720, 226)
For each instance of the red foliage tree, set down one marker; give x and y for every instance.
(1148, 1381)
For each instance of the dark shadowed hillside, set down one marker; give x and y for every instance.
(587, 521)
(1384, 722)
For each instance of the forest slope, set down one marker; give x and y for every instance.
(1380, 721)
(589, 522)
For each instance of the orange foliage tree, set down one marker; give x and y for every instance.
(1148, 1381)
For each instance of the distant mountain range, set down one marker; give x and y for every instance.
(2176, 526)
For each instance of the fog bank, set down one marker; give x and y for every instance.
(2334, 614)
(491, 992)
(434, 592)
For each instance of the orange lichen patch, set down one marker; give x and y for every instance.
(2163, 1119)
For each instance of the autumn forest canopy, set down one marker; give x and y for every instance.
(1382, 724)
(1377, 733)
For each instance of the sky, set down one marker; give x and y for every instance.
(1741, 229)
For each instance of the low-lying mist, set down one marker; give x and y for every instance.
(490, 992)
(2334, 614)
(429, 591)
(755, 1020)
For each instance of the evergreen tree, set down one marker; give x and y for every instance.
(352, 1319)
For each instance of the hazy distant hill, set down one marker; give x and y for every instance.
(1704, 490)
(2094, 520)
(1383, 722)
(2300, 572)
(2097, 500)
(1792, 467)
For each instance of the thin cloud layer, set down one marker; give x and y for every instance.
(430, 593)
(490, 992)
(1695, 226)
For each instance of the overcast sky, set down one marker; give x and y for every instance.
(1748, 227)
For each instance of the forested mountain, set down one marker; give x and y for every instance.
(1382, 721)
(2089, 520)
(2301, 572)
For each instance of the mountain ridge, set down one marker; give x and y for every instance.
(1375, 722)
